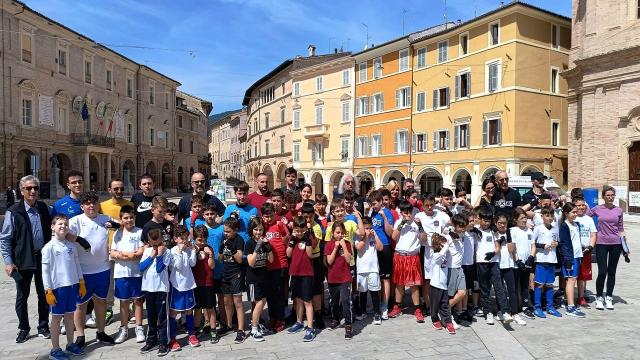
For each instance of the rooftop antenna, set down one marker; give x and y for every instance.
(404, 11)
(366, 46)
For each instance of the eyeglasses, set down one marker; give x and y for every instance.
(349, 182)
(31, 188)
(503, 179)
(199, 181)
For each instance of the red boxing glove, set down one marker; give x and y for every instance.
(194, 216)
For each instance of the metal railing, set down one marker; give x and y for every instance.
(97, 140)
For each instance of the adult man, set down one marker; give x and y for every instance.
(532, 196)
(11, 196)
(290, 177)
(198, 182)
(505, 199)
(69, 205)
(142, 200)
(348, 182)
(26, 229)
(409, 185)
(262, 193)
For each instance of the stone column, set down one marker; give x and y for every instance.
(476, 183)
(87, 174)
(108, 177)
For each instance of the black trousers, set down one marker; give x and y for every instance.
(522, 285)
(341, 297)
(23, 287)
(509, 279)
(375, 301)
(607, 257)
(157, 317)
(439, 299)
(275, 298)
(488, 275)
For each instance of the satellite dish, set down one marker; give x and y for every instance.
(100, 109)
(77, 104)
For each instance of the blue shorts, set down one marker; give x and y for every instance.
(545, 274)
(66, 300)
(97, 285)
(128, 288)
(182, 300)
(574, 271)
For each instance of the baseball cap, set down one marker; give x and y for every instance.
(537, 175)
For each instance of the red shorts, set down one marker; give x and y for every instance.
(584, 272)
(407, 270)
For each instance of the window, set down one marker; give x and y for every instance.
(493, 76)
(319, 110)
(26, 44)
(166, 139)
(403, 97)
(441, 140)
(130, 133)
(361, 146)
(267, 95)
(461, 136)
(440, 98)
(129, 88)
(463, 85)
(152, 92)
(555, 133)
(296, 119)
(152, 137)
(376, 145)
(637, 14)
(296, 151)
(281, 144)
(492, 132)
(266, 120)
(554, 80)
(420, 101)
(345, 77)
(363, 105)
(166, 99)
(362, 72)
(317, 150)
(109, 81)
(191, 147)
(464, 44)
(255, 149)
(378, 102)
(422, 58)
(27, 112)
(420, 142)
(180, 121)
(555, 35)
(377, 68)
(494, 33)
(442, 51)
(62, 62)
(344, 148)
(192, 126)
(401, 141)
(319, 83)
(63, 119)
(296, 89)
(282, 116)
(88, 71)
(403, 62)
(179, 145)
(346, 112)
(266, 148)
(282, 87)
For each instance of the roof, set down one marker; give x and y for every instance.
(219, 116)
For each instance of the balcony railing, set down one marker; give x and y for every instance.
(321, 130)
(96, 140)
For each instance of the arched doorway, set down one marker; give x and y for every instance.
(267, 171)
(25, 164)
(430, 181)
(316, 183)
(365, 181)
(166, 177)
(396, 175)
(94, 176)
(530, 170)
(462, 180)
(280, 178)
(180, 178)
(301, 179)
(489, 172)
(151, 170)
(334, 180)
(634, 172)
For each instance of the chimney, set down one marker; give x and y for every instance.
(312, 50)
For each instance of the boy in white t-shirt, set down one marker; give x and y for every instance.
(62, 279)
(368, 278)
(588, 233)
(543, 249)
(440, 258)
(456, 282)
(126, 251)
(470, 238)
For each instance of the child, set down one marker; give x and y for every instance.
(321, 217)
(543, 249)
(380, 219)
(456, 282)
(349, 198)
(63, 281)
(277, 235)
(291, 200)
(300, 251)
(508, 266)
(195, 214)
(308, 213)
(470, 238)
(126, 249)
(408, 236)
(232, 274)
(203, 273)
(155, 285)
(159, 206)
(571, 255)
(215, 234)
(588, 233)
(368, 277)
(338, 255)
(460, 203)
(445, 203)
(277, 199)
(438, 286)
(259, 254)
(522, 237)
(243, 211)
(487, 258)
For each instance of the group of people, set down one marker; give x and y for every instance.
(192, 265)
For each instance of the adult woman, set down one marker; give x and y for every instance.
(608, 245)
(305, 192)
(394, 189)
(488, 187)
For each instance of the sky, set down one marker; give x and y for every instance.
(217, 48)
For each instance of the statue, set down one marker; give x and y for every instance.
(55, 161)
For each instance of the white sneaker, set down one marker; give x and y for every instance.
(490, 320)
(123, 334)
(91, 322)
(132, 320)
(507, 318)
(500, 316)
(385, 314)
(519, 320)
(455, 324)
(608, 302)
(600, 303)
(140, 338)
(63, 330)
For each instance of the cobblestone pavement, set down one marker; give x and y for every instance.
(602, 334)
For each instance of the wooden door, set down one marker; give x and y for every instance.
(634, 172)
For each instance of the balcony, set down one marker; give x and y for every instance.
(314, 131)
(95, 140)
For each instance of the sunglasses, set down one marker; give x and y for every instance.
(199, 181)
(31, 188)
(118, 189)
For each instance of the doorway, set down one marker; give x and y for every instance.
(634, 172)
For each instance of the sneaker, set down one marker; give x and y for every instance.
(257, 335)
(419, 316)
(539, 313)
(193, 341)
(583, 302)
(63, 330)
(206, 327)
(454, 324)
(451, 329)
(348, 332)
(162, 350)
(224, 329)
(108, 317)
(507, 318)
(174, 346)
(148, 348)
(298, 326)
(479, 312)
(44, 333)
(574, 311)
(74, 350)
(123, 334)
(58, 354)
(490, 320)
(552, 311)
(91, 322)
(500, 316)
(608, 302)
(600, 303)
(385, 315)
(437, 325)
(395, 312)
(309, 335)
(140, 338)
(518, 319)
(318, 323)
(102, 337)
(214, 338)
(528, 314)
(377, 319)
(361, 317)
(334, 324)
(240, 336)
(80, 341)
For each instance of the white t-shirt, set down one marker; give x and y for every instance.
(523, 240)
(542, 235)
(587, 227)
(440, 268)
(181, 276)
(127, 242)
(436, 223)
(60, 264)
(486, 244)
(469, 248)
(575, 239)
(537, 218)
(506, 260)
(153, 281)
(367, 257)
(456, 252)
(408, 243)
(93, 230)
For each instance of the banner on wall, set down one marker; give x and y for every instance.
(118, 118)
(45, 106)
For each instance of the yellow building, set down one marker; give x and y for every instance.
(322, 122)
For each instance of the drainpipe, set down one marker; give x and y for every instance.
(410, 169)
(4, 107)
(139, 159)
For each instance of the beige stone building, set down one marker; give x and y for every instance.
(225, 148)
(604, 95)
(192, 146)
(99, 111)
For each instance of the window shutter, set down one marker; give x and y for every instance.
(457, 88)
(468, 136)
(379, 144)
(446, 101)
(469, 84)
(357, 148)
(370, 105)
(414, 142)
(358, 107)
(456, 134)
(484, 132)
(447, 141)
(435, 141)
(313, 152)
(408, 97)
(397, 98)
(499, 134)
(381, 102)
(396, 143)
(435, 99)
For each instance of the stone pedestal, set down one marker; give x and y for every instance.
(126, 179)
(57, 191)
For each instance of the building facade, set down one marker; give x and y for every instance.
(322, 122)
(192, 148)
(238, 125)
(604, 88)
(225, 147)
